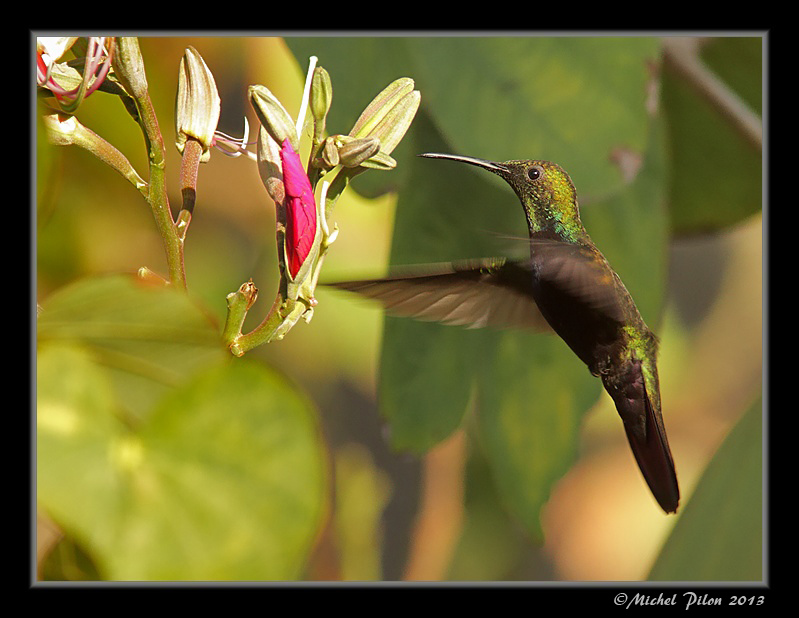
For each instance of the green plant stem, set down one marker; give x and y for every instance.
(129, 69)
(157, 198)
(65, 130)
(283, 315)
(111, 156)
(238, 303)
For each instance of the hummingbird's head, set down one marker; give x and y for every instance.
(545, 190)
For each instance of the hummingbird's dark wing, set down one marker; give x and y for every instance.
(472, 293)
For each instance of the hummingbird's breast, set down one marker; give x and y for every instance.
(582, 300)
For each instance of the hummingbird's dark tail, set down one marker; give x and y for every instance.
(647, 439)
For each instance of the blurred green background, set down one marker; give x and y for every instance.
(416, 478)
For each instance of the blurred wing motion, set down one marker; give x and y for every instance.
(472, 293)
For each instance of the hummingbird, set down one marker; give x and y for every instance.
(566, 287)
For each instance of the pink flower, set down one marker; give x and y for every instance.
(300, 209)
(97, 65)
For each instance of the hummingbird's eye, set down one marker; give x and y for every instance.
(535, 172)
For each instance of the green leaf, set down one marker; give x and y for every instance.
(739, 62)
(490, 543)
(426, 380)
(573, 100)
(719, 536)
(717, 174)
(533, 393)
(362, 493)
(427, 370)
(150, 338)
(631, 228)
(224, 480)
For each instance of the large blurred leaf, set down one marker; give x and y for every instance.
(631, 228)
(573, 100)
(427, 370)
(490, 544)
(426, 380)
(224, 480)
(151, 338)
(719, 536)
(161, 455)
(717, 178)
(533, 394)
(362, 492)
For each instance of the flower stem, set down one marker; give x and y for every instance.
(157, 197)
(283, 315)
(190, 164)
(238, 304)
(129, 68)
(65, 130)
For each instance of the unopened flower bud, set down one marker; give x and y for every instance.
(129, 66)
(270, 167)
(273, 116)
(354, 151)
(330, 156)
(380, 161)
(391, 129)
(301, 219)
(321, 97)
(380, 105)
(197, 105)
(389, 114)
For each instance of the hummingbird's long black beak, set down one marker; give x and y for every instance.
(491, 166)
